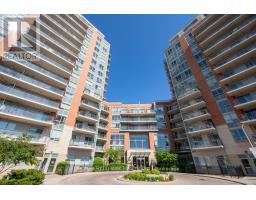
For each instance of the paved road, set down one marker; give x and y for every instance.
(113, 178)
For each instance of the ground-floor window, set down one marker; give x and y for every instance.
(162, 141)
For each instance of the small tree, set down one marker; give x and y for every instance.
(166, 159)
(14, 152)
(114, 155)
(98, 164)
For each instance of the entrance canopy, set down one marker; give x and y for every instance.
(139, 154)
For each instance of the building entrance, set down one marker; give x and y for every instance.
(140, 162)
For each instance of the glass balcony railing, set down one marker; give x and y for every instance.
(236, 55)
(190, 103)
(187, 92)
(182, 148)
(32, 137)
(100, 148)
(138, 119)
(88, 114)
(86, 127)
(82, 28)
(47, 59)
(80, 143)
(103, 126)
(233, 31)
(243, 83)
(54, 42)
(25, 111)
(195, 114)
(56, 33)
(199, 127)
(72, 27)
(206, 144)
(137, 111)
(89, 103)
(102, 136)
(104, 117)
(250, 115)
(40, 69)
(56, 53)
(93, 94)
(139, 128)
(173, 107)
(27, 95)
(235, 43)
(59, 24)
(177, 125)
(105, 108)
(245, 99)
(30, 80)
(238, 69)
(227, 23)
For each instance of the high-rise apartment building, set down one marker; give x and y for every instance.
(55, 98)
(211, 68)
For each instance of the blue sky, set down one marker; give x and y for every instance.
(137, 43)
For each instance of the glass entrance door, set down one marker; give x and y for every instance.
(140, 162)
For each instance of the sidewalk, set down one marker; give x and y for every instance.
(247, 180)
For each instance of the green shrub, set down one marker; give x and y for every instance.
(140, 176)
(116, 167)
(98, 164)
(62, 168)
(23, 177)
(146, 171)
(155, 171)
(171, 177)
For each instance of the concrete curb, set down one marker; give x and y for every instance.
(120, 178)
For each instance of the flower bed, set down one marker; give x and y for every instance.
(150, 176)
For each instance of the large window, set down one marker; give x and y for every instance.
(117, 141)
(162, 141)
(139, 141)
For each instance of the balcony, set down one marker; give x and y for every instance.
(82, 30)
(138, 128)
(231, 22)
(249, 117)
(206, 145)
(83, 145)
(85, 129)
(175, 118)
(105, 109)
(190, 93)
(193, 105)
(182, 149)
(242, 87)
(87, 116)
(138, 112)
(27, 98)
(180, 136)
(102, 137)
(239, 73)
(177, 126)
(38, 71)
(173, 109)
(236, 59)
(199, 115)
(57, 35)
(91, 106)
(30, 83)
(104, 118)
(237, 45)
(35, 139)
(246, 102)
(100, 149)
(203, 128)
(92, 96)
(138, 120)
(56, 23)
(230, 35)
(24, 114)
(103, 127)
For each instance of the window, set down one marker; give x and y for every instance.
(90, 75)
(94, 62)
(7, 125)
(99, 80)
(116, 117)
(117, 141)
(33, 129)
(162, 141)
(101, 66)
(139, 141)
(100, 73)
(202, 161)
(225, 106)
(238, 134)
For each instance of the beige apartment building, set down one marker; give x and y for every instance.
(211, 68)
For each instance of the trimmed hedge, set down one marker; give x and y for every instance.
(23, 177)
(171, 177)
(139, 176)
(62, 168)
(116, 167)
